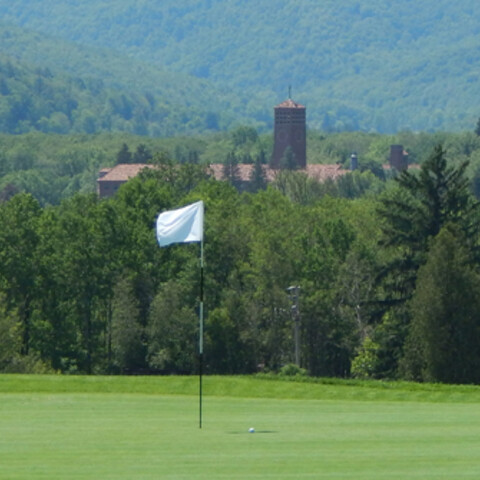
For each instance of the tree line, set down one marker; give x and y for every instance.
(53, 167)
(388, 282)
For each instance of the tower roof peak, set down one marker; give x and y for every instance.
(290, 104)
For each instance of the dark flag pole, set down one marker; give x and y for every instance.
(200, 343)
(185, 225)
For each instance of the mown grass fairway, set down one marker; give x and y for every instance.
(147, 428)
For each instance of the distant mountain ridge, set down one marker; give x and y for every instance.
(373, 66)
(117, 93)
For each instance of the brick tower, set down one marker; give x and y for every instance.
(290, 131)
(398, 157)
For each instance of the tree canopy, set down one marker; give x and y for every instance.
(85, 288)
(211, 65)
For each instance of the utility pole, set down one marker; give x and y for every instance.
(294, 293)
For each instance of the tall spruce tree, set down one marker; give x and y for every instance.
(416, 211)
(124, 155)
(142, 154)
(231, 171)
(258, 180)
(413, 214)
(444, 338)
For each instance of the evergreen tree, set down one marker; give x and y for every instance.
(444, 339)
(231, 171)
(262, 158)
(417, 210)
(142, 154)
(257, 177)
(413, 214)
(124, 155)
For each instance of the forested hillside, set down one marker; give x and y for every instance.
(75, 89)
(356, 65)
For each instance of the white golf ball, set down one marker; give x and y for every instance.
(251, 430)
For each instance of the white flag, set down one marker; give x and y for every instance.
(183, 225)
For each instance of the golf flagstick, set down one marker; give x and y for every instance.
(185, 225)
(200, 343)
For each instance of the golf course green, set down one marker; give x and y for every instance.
(68, 427)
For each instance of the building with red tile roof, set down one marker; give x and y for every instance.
(318, 172)
(110, 179)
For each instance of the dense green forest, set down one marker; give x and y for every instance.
(39, 99)
(371, 66)
(388, 266)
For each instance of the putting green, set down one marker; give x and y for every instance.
(148, 436)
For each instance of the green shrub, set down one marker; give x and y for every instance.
(363, 365)
(292, 370)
